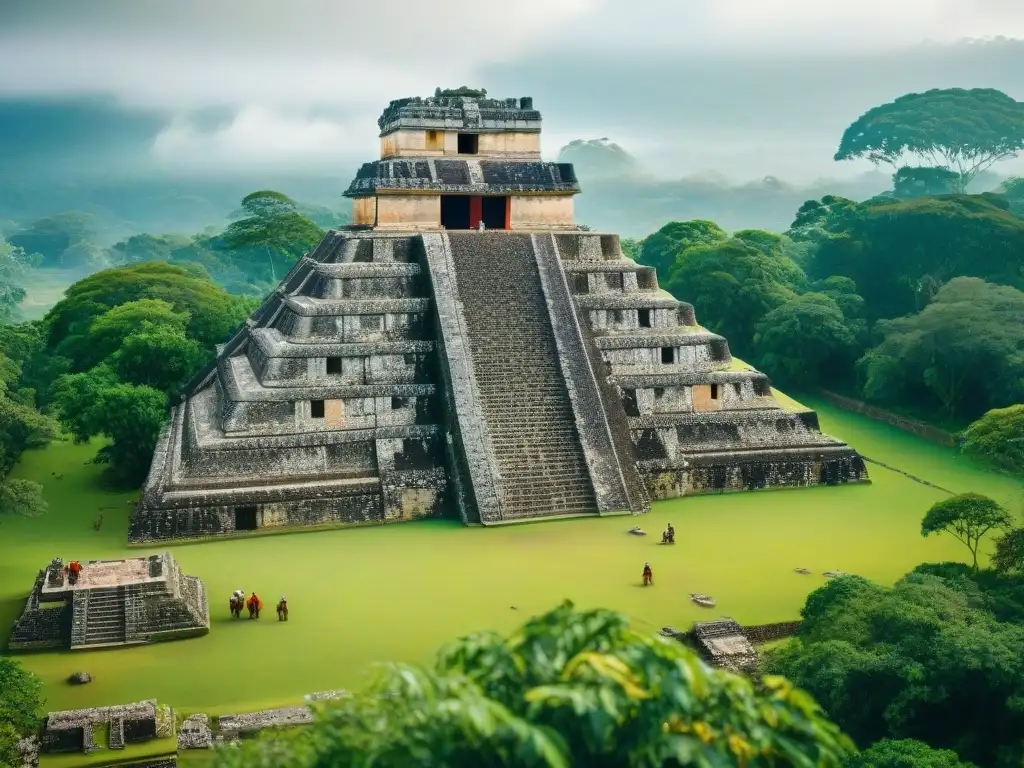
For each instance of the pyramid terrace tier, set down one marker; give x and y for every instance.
(497, 375)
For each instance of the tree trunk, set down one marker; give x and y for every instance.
(270, 256)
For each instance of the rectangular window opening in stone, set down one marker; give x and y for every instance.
(494, 212)
(316, 409)
(469, 143)
(455, 211)
(714, 391)
(435, 140)
(738, 388)
(580, 284)
(668, 355)
(397, 403)
(245, 518)
(333, 365)
(644, 317)
(659, 392)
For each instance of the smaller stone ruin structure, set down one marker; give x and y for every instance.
(114, 602)
(725, 644)
(76, 730)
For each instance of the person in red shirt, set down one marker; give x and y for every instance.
(254, 604)
(648, 575)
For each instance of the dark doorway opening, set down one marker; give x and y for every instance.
(469, 143)
(334, 365)
(668, 355)
(455, 211)
(316, 409)
(714, 391)
(644, 317)
(245, 518)
(494, 212)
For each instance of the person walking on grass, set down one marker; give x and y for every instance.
(282, 609)
(648, 575)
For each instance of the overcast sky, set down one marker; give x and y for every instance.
(742, 88)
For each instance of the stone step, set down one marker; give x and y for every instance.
(519, 380)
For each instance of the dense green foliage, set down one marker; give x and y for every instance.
(122, 343)
(20, 702)
(1009, 554)
(961, 130)
(905, 753)
(733, 284)
(998, 438)
(939, 657)
(569, 688)
(961, 355)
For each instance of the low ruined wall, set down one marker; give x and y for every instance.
(739, 475)
(917, 428)
(766, 633)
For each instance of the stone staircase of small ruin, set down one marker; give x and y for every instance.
(105, 624)
(515, 360)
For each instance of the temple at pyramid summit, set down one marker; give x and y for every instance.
(465, 349)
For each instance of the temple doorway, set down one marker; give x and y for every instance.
(494, 212)
(455, 211)
(245, 518)
(467, 211)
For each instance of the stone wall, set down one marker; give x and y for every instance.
(918, 428)
(759, 634)
(745, 472)
(547, 212)
(41, 624)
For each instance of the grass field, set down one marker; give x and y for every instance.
(398, 592)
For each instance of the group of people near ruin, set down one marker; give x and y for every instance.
(669, 536)
(255, 605)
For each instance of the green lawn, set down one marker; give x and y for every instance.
(397, 592)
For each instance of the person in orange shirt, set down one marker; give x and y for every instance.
(648, 575)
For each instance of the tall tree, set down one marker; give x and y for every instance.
(968, 518)
(272, 223)
(571, 687)
(963, 130)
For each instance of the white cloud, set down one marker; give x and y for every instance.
(264, 138)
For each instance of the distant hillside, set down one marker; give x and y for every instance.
(599, 158)
(620, 196)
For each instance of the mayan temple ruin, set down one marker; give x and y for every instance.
(111, 602)
(465, 348)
